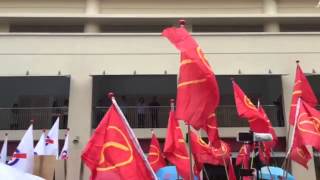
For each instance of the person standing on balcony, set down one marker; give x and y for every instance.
(123, 103)
(154, 109)
(141, 112)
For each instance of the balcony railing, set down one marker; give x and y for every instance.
(44, 117)
(157, 116)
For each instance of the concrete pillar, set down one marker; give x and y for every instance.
(4, 27)
(270, 8)
(92, 8)
(79, 122)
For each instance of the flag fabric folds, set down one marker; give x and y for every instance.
(301, 89)
(212, 131)
(4, 150)
(246, 109)
(22, 157)
(155, 156)
(64, 155)
(300, 155)
(111, 152)
(308, 126)
(175, 149)
(197, 91)
(40, 148)
(10, 173)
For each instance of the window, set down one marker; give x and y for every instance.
(40, 98)
(227, 28)
(133, 28)
(47, 28)
(144, 99)
(299, 27)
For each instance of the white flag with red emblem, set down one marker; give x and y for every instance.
(40, 147)
(64, 155)
(22, 158)
(52, 144)
(4, 150)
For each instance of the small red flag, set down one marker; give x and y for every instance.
(175, 148)
(111, 153)
(198, 91)
(243, 158)
(301, 89)
(246, 109)
(308, 126)
(300, 155)
(155, 156)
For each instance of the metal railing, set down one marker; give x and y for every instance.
(44, 117)
(157, 116)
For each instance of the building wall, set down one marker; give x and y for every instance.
(83, 55)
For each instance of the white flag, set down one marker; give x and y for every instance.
(64, 155)
(4, 150)
(40, 147)
(22, 158)
(52, 140)
(9, 173)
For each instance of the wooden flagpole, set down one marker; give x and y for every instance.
(190, 151)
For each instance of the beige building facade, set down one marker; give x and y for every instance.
(122, 37)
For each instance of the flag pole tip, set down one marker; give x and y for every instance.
(110, 95)
(43, 130)
(182, 22)
(31, 121)
(6, 134)
(297, 61)
(68, 129)
(232, 79)
(172, 100)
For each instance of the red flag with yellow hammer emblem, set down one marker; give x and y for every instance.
(155, 156)
(175, 148)
(246, 109)
(301, 89)
(111, 152)
(198, 91)
(308, 126)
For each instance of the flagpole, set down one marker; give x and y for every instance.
(225, 167)
(190, 151)
(131, 134)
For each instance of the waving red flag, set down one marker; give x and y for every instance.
(155, 156)
(308, 126)
(300, 155)
(301, 89)
(111, 152)
(212, 131)
(198, 91)
(175, 147)
(246, 109)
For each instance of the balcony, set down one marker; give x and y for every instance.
(44, 117)
(157, 116)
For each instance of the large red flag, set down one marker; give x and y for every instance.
(300, 155)
(246, 109)
(301, 89)
(111, 152)
(175, 148)
(308, 126)
(155, 156)
(198, 91)
(212, 131)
